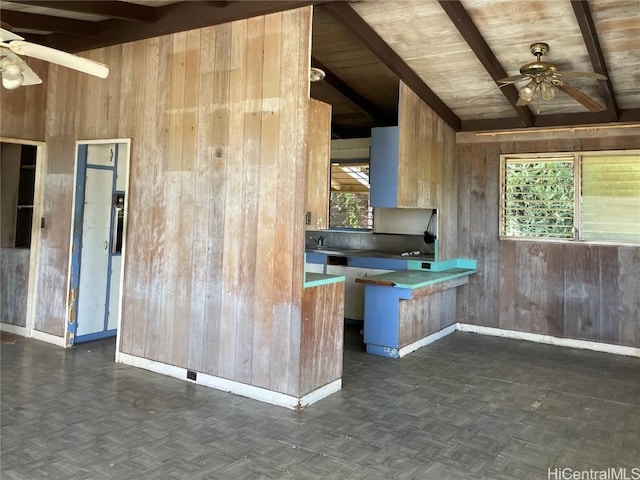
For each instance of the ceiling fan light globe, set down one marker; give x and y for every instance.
(548, 91)
(11, 70)
(12, 82)
(527, 92)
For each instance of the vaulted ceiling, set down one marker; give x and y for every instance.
(450, 52)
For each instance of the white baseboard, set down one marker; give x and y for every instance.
(47, 337)
(226, 385)
(551, 340)
(15, 329)
(412, 347)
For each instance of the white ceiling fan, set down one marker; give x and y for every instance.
(15, 71)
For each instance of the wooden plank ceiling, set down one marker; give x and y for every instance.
(450, 52)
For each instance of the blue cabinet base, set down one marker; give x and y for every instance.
(381, 319)
(388, 352)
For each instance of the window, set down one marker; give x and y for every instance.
(582, 196)
(349, 199)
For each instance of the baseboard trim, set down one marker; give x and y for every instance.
(15, 329)
(550, 340)
(47, 337)
(231, 386)
(423, 342)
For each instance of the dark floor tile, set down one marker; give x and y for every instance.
(466, 407)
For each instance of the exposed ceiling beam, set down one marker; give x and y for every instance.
(364, 105)
(345, 132)
(462, 21)
(588, 29)
(558, 120)
(121, 10)
(172, 18)
(220, 4)
(345, 14)
(46, 23)
(34, 38)
(630, 115)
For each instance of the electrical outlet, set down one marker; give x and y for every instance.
(191, 375)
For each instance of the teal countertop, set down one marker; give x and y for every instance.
(413, 279)
(316, 279)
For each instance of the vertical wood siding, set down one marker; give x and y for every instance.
(319, 163)
(14, 283)
(587, 292)
(321, 347)
(427, 170)
(430, 310)
(218, 121)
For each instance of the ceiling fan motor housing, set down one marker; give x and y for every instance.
(535, 69)
(539, 48)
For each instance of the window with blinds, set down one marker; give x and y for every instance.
(610, 200)
(581, 196)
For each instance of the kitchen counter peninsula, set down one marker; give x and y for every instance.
(406, 310)
(312, 279)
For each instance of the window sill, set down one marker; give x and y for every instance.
(604, 243)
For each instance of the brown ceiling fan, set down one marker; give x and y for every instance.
(545, 78)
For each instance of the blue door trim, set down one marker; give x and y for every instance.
(76, 256)
(96, 336)
(76, 250)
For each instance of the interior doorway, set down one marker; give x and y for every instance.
(22, 169)
(98, 238)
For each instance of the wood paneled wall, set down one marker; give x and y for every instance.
(14, 284)
(318, 163)
(427, 166)
(23, 108)
(430, 310)
(214, 263)
(218, 121)
(321, 349)
(571, 290)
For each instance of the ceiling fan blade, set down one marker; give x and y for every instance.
(578, 95)
(29, 76)
(512, 79)
(59, 57)
(7, 36)
(488, 91)
(596, 76)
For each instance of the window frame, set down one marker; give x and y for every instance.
(576, 157)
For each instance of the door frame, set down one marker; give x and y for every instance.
(36, 232)
(71, 296)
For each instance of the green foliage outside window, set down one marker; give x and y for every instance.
(539, 199)
(349, 210)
